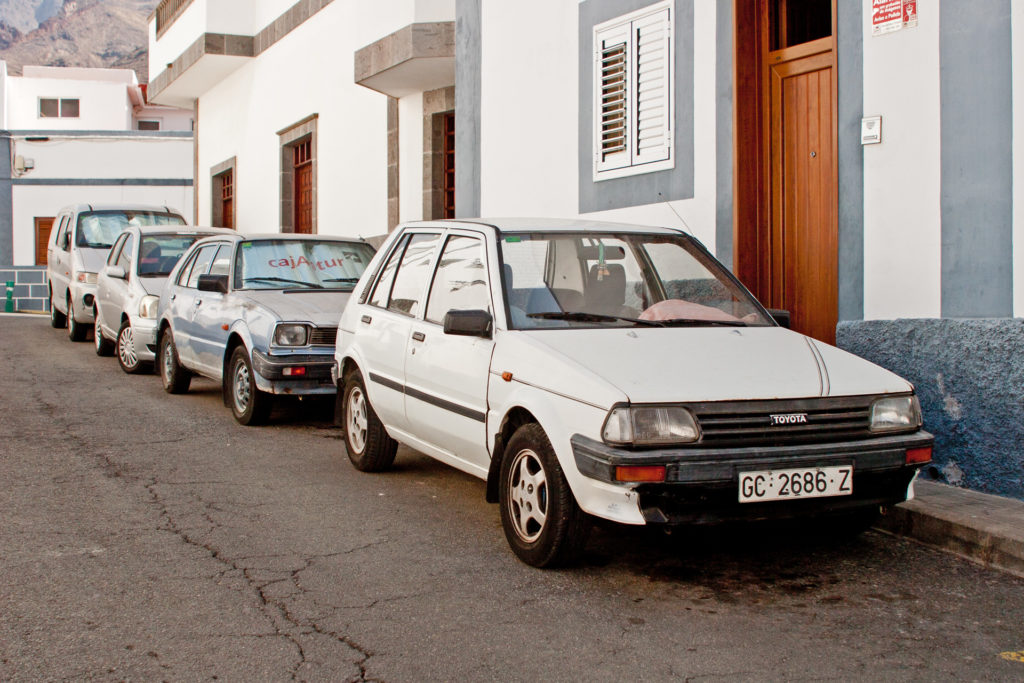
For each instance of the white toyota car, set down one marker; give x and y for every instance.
(614, 371)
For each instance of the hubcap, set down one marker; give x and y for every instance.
(355, 419)
(242, 386)
(126, 348)
(168, 364)
(97, 334)
(528, 495)
(71, 316)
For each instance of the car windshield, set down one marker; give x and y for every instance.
(160, 253)
(598, 279)
(300, 264)
(99, 229)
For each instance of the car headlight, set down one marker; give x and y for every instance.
(147, 307)
(291, 335)
(87, 278)
(895, 413)
(650, 425)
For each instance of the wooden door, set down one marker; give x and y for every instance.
(43, 226)
(303, 175)
(803, 233)
(448, 167)
(227, 199)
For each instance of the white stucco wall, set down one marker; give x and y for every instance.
(103, 105)
(239, 117)
(540, 177)
(100, 156)
(1017, 29)
(902, 174)
(410, 157)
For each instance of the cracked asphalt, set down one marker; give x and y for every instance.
(150, 537)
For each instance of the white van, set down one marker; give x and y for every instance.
(81, 237)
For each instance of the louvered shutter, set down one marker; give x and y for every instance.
(612, 68)
(653, 89)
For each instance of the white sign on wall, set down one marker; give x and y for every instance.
(892, 15)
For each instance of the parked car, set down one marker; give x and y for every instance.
(128, 290)
(258, 314)
(613, 371)
(81, 236)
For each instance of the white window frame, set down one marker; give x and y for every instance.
(60, 107)
(631, 161)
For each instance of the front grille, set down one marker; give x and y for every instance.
(323, 336)
(742, 423)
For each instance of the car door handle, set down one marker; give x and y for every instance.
(418, 336)
(366, 319)
(173, 297)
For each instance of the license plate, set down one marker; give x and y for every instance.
(802, 482)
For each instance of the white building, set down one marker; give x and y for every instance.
(754, 124)
(82, 135)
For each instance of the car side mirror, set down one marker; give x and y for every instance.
(115, 272)
(473, 323)
(780, 316)
(213, 283)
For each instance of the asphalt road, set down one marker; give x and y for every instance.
(146, 536)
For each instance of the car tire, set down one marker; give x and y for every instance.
(104, 347)
(127, 357)
(369, 447)
(58, 320)
(173, 376)
(542, 521)
(249, 404)
(76, 331)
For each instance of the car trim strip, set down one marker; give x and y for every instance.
(429, 398)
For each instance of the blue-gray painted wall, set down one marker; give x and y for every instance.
(467, 107)
(850, 84)
(968, 375)
(724, 53)
(644, 188)
(6, 203)
(975, 51)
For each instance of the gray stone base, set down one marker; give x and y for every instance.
(30, 293)
(969, 375)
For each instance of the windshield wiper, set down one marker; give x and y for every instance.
(311, 285)
(341, 279)
(696, 322)
(580, 316)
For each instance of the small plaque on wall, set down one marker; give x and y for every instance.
(871, 130)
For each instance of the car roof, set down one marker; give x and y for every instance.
(180, 230)
(79, 208)
(547, 225)
(289, 236)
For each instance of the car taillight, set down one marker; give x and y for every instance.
(640, 473)
(918, 456)
(294, 372)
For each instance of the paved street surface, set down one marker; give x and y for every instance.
(147, 536)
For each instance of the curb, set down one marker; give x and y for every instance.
(980, 527)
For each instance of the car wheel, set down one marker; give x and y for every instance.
(57, 319)
(173, 376)
(127, 358)
(539, 514)
(76, 330)
(249, 405)
(104, 347)
(369, 447)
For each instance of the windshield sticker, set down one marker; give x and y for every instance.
(513, 239)
(303, 261)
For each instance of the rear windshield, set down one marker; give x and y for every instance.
(300, 264)
(99, 229)
(160, 253)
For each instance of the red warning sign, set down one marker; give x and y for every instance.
(886, 16)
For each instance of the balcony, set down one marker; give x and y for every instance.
(416, 58)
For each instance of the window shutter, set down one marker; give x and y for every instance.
(612, 69)
(653, 89)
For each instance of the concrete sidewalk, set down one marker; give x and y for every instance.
(980, 527)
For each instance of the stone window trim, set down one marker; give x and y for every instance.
(288, 139)
(217, 174)
(436, 103)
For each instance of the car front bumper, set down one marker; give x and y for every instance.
(144, 338)
(84, 300)
(702, 484)
(315, 380)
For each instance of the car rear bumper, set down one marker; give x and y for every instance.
(702, 484)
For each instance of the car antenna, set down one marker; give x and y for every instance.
(673, 210)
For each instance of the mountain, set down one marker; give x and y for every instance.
(91, 33)
(26, 15)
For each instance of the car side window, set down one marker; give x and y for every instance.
(124, 259)
(222, 261)
(460, 282)
(413, 273)
(115, 250)
(186, 268)
(387, 275)
(61, 231)
(201, 264)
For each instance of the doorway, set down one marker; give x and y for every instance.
(786, 229)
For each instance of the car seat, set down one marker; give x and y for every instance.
(606, 290)
(149, 262)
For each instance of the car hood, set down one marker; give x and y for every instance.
(92, 260)
(651, 365)
(320, 307)
(153, 285)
